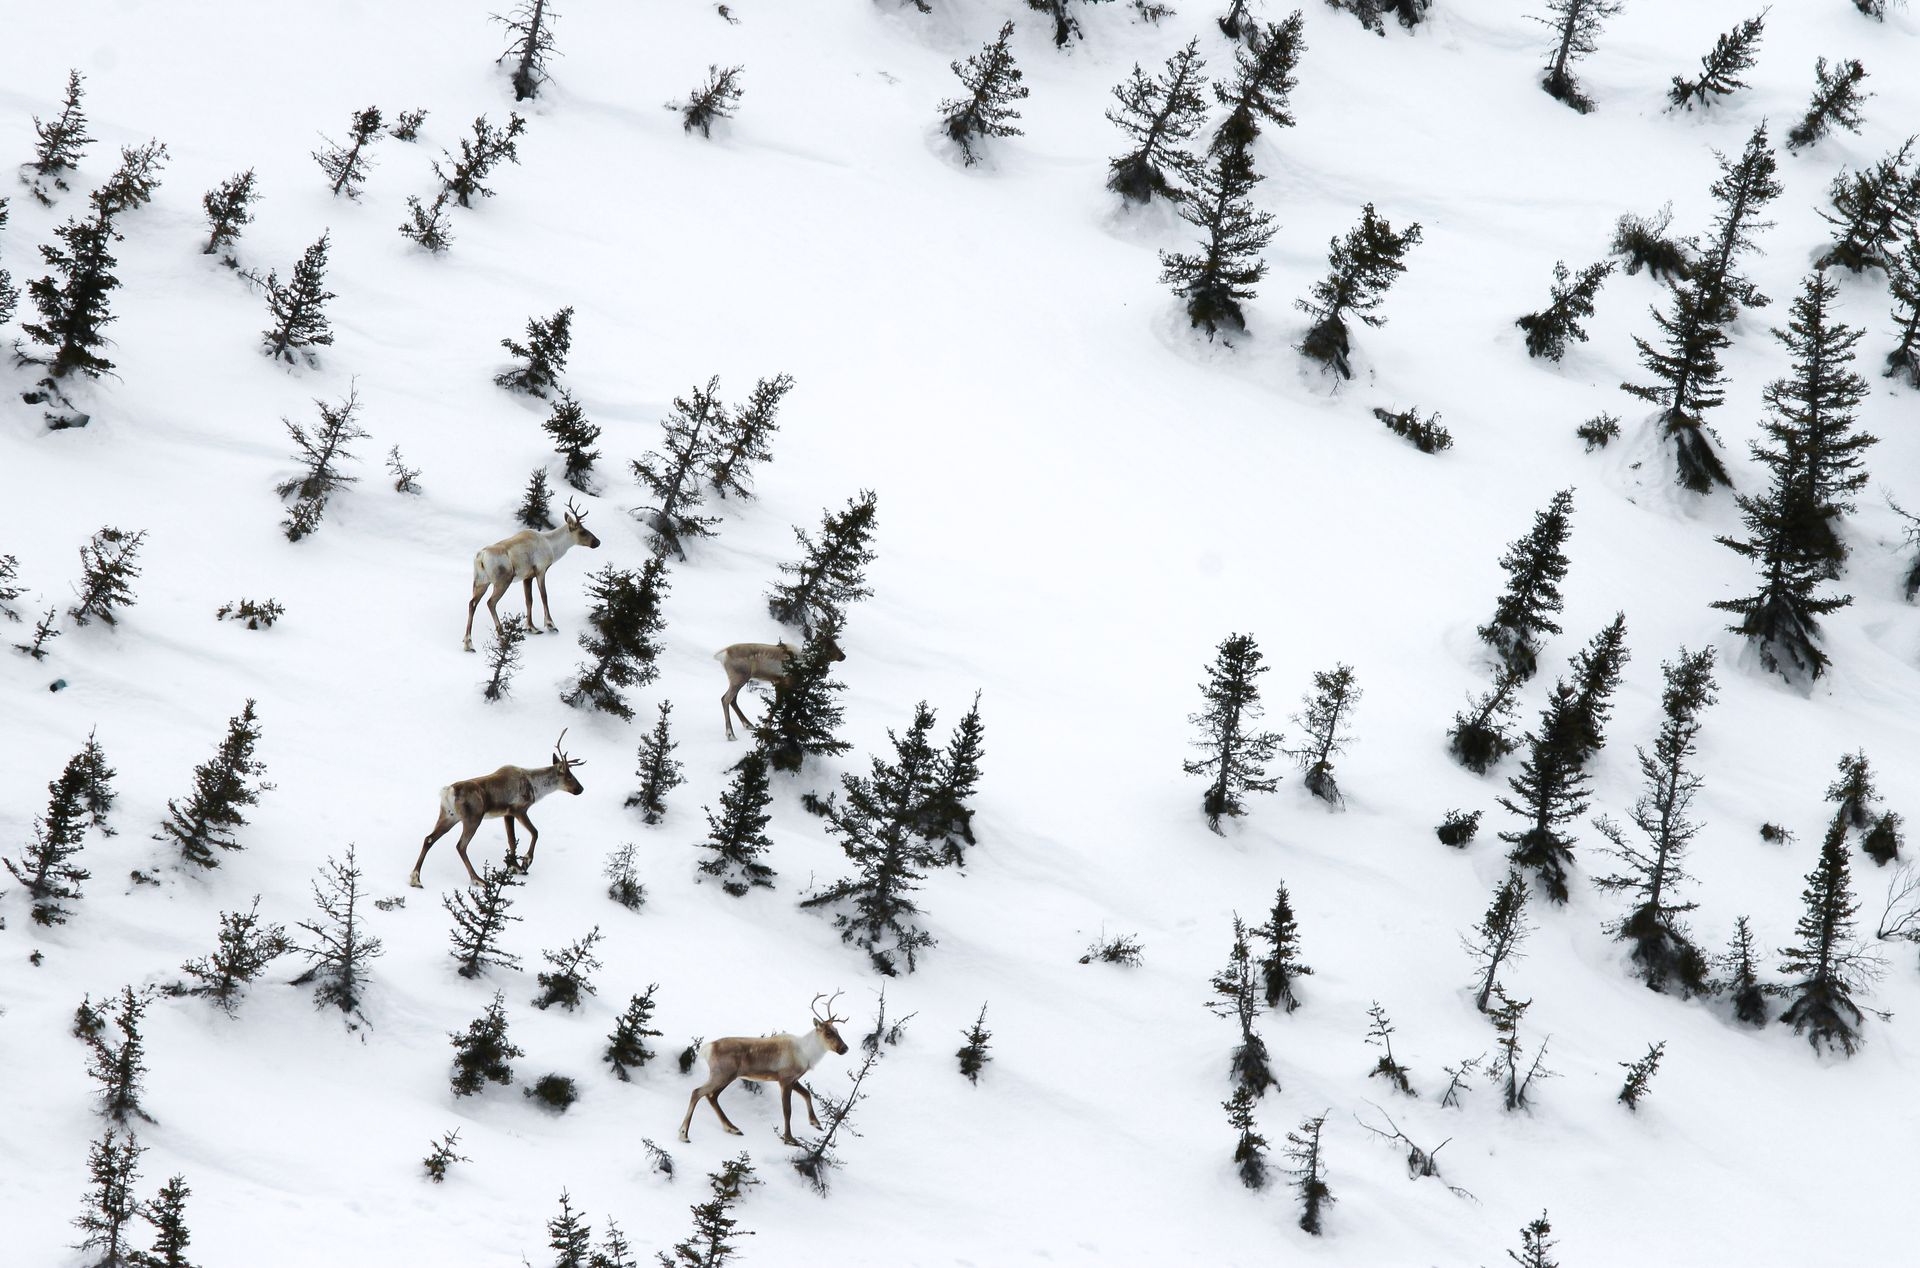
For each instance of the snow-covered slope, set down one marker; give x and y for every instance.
(1078, 499)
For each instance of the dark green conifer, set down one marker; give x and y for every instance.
(223, 787)
(620, 638)
(1836, 102)
(480, 918)
(1158, 116)
(1829, 965)
(1549, 329)
(1236, 755)
(1262, 83)
(672, 474)
(1361, 269)
(743, 436)
(804, 714)
(1236, 998)
(974, 1055)
(113, 1165)
(1326, 719)
(832, 571)
(299, 307)
(1875, 210)
(465, 177)
(737, 836)
(1536, 565)
(347, 165)
(484, 1053)
(1720, 69)
(659, 773)
(1214, 280)
(992, 81)
(544, 354)
(1576, 28)
(627, 1045)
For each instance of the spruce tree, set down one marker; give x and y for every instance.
(544, 354)
(620, 637)
(465, 177)
(72, 302)
(1744, 188)
(444, 1155)
(832, 571)
(1536, 565)
(1645, 243)
(671, 474)
(717, 98)
(710, 1245)
(342, 948)
(1496, 941)
(1309, 1172)
(1549, 329)
(10, 587)
(116, 1065)
(1640, 1075)
(107, 570)
(94, 780)
(503, 659)
(623, 883)
(1361, 268)
(817, 1160)
(1249, 1152)
(993, 84)
(60, 143)
(877, 826)
(1720, 69)
(167, 1213)
(484, 1053)
(1380, 1035)
(1837, 99)
(573, 438)
(46, 865)
(246, 945)
(1853, 795)
(1552, 791)
(1325, 719)
(570, 977)
(299, 307)
(480, 918)
(1653, 871)
(1828, 965)
(1509, 1053)
(974, 1055)
(113, 1165)
(803, 714)
(1875, 210)
(132, 184)
(1236, 755)
(1576, 28)
(427, 223)
(569, 1236)
(347, 165)
(43, 630)
(229, 209)
(536, 508)
(627, 1045)
(1816, 446)
(659, 773)
(1235, 997)
(946, 819)
(1479, 737)
(1262, 83)
(1215, 279)
(1535, 1241)
(1742, 982)
(1690, 380)
(530, 48)
(1158, 116)
(743, 436)
(223, 786)
(1903, 281)
(322, 450)
(737, 836)
(1596, 674)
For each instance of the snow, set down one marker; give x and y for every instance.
(1079, 497)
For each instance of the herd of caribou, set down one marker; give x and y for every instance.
(508, 793)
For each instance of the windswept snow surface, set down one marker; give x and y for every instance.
(1079, 497)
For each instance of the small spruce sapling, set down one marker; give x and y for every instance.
(711, 1243)
(658, 771)
(1250, 1150)
(1460, 1079)
(107, 570)
(167, 1213)
(1480, 735)
(536, 508)
(246, 945)
(737, 836)
(1325, 719)
(1732, 54)
(223, 786)
(660, 1160)
(10, 589)
(569, 1235)
(406, 125)
(974, 1055)
(46, 865)
(1214, 280)
(1261, 85)
(1496, 941)
(1836, 103)
(672, 473)
(1236, 755)
(1281, 965)
(1362, 267)
(573, 436)
(1598, 431)
(1644, 243)
(1235, 997)
(530, 48)
(1425, 434)
(1829, 965)
(556, 1092)
(427, 225)
(113, 1166)
(620, 637)
(743, 436)
(804, 714)
(1158, 116)
(832, 571)
(503, 658)
(1509, 1054)
(1380, 1035)
(323, 449)
(1123, 949)
(1549, 329)
(229, 210)
(346, 166)
(1551, 790)
(627, 1045)
(464, 177)
(946, 818)
(72, 303)
(1640, 1075)
(60, 142)
(717, 98)
(132, 184)
(442, 1156)
(992, 81)
(623, 883)
(116, 1065)
(1742, 984)
(1903, 283)
(248, 614)
(480, 919)
(818, 1160)
(544, 354)
(43, 631)
(342, 948)
(1576, 27)
(1874, 209)
(1458, 828)
(1309, 1172)
(484, 1053)
(1535, 1241)
(299, 307)
(1535, 565)
(568, 980)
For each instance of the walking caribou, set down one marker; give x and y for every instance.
(525, 557)
(767, 662)
(781, 1059)
(505, 794)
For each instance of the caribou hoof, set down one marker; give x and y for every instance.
(552, 628)
(414, 881)
(467, 646)
(684, 1140)
(734, 1131)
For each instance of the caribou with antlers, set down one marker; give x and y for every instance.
(781, 1059)
(525, 557)
(766, 662)
(505, 794)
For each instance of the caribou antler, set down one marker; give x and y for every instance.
(560, 758)
(579, 515)
(830, 1019)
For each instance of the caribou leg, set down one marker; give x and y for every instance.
(526, 585)
(500, 585)
(513, 849)
(473, 606)
(533, 836)
(547, 607)
(441, 827)
(467, 828)
(802, 1089)
(711, 1089)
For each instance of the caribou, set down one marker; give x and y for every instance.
(781, 1059)
(505, 794)
(525, 557)
(766, 662)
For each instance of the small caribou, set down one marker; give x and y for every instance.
(781, 1059)
(505, 794)
(525, 557)
(767, 662)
